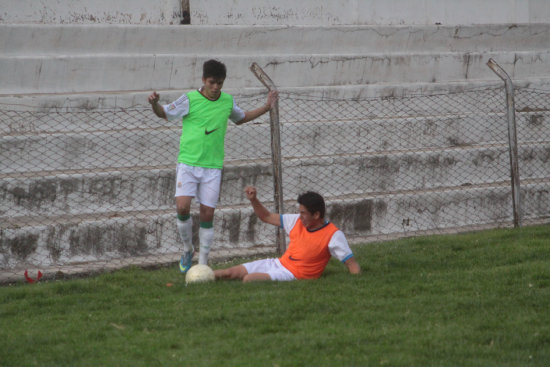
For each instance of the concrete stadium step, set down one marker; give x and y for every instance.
(95, 103)
(110, 72)
(117, 191)
(384, 173)
(443, 118)
(440, 209)
(294, 108)
(70, 145)
(77, 239)
(80, 238)
(69, 39)
(116, 150)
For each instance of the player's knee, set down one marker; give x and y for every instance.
(183, 211)
(239, 272)
(206, 213)
(183, 205)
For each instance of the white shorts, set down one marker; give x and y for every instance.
(204, 183)
(272, 267)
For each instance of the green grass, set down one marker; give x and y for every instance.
(479, 299)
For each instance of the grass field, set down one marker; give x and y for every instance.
(479, 299)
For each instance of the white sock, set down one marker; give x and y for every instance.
(185, 229)
(206, 236)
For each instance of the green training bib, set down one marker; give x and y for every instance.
(203, 130)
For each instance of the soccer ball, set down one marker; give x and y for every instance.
(199, 273)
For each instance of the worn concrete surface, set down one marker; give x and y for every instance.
(91, 12)
(352, 174)
(280, 12)
(70, 39)
(114, 58)
(111, 72)
(84, 239)
(357, 12)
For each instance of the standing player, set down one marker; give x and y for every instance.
(313, 240)
(204, 113)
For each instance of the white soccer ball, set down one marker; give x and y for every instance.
(199, 273)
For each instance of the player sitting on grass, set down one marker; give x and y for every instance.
(204, 115)
(313, 240)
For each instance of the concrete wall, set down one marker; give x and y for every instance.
(374, 12)
(91, 12)
(277, 12)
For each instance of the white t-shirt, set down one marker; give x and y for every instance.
(180, 108)
(338, 245)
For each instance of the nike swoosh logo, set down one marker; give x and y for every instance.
(209, 132)
(293, 259)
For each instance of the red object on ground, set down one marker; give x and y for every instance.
(31, 280)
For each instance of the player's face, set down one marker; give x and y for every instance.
(212, 87)
(311, 221)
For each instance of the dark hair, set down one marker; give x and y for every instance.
(213, 69)
(313, 202)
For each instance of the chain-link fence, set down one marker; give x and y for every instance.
(533, 131)
(401, 166)
(92, 189)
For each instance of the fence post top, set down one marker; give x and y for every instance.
(262, 76)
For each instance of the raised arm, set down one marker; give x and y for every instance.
(272, 97)
(261, 211)
(157, 108)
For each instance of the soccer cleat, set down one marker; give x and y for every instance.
(186, 261)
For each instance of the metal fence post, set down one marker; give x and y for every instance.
(512, 138)
(276, 156)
